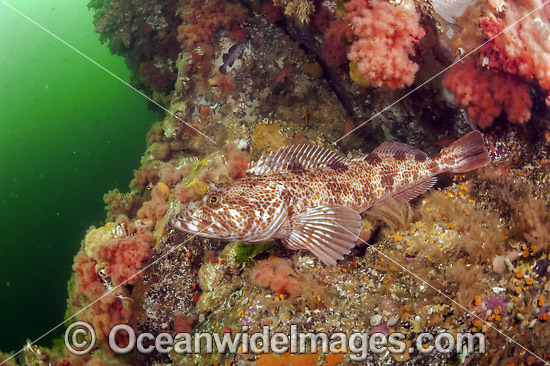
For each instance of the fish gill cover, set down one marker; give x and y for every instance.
(468, 255)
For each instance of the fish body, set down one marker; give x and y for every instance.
(232, 55)
(311, 198)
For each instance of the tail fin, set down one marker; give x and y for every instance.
(465, 154)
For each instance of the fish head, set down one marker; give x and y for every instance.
(246, 211)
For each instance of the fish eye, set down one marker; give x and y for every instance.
(214, 199)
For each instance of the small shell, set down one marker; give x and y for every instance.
(450, 9)
(375, 320)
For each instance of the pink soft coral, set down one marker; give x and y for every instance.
(237, 161)
(105, 313)
(154, 210)
(201, 23)
(225, 83)
(486, 93)
(87, 280)
(278, 275)
(520, 47)
(272, 13)
(128, 256)
(322, 18)
(385, 37)
(104, 309)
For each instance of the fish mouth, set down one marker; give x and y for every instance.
(196, 226)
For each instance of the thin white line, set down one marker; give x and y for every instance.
(449, 298)
(439, 73)
(106, 70)
(105, 294)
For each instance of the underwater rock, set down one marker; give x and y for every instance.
(143, 32)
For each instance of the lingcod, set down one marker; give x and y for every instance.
(309, 197)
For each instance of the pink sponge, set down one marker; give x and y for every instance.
(185, 324)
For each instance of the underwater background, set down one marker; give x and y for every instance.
(70, 132)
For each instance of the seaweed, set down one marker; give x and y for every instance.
(245, 252)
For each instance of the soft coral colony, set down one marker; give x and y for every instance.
(384, 38)
(515, 55)
(112, 257)
(381, 40)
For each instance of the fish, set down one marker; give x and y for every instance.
(283, 74)
(232, 55)
(309, 197)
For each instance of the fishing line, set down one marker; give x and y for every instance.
(441, 72)
(106, 70)
(105, 294)
(449, 298)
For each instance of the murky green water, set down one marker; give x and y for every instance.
(69, 132)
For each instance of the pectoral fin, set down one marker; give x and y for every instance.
(328, 231)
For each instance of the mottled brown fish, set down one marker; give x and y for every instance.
(310, 198)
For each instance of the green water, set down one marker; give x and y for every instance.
(69, 132)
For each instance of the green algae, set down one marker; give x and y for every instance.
(244, 252)
(70, 132)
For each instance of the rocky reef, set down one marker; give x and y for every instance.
(240, 79)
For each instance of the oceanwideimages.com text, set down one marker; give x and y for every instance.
(80, 339)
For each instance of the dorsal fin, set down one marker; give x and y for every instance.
(397, 150)
(298, 157)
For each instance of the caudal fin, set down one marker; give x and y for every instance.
(465, 154)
